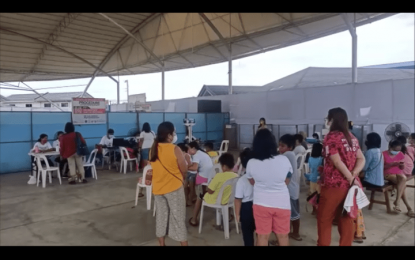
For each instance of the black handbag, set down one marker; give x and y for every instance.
(81, 148)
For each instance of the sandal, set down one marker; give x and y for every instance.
(363, 236)
(193, 224)
(397, 209)
(295, 238)
(72, 182)
(84, 181)
(358, 240)
(231, 218)
(273, 243)
(411, 214)
(140, 195)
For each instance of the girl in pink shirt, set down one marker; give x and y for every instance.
(409, 153)
(393, 171)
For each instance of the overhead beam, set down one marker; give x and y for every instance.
(116, 48)
(65, 22)
(43, 97)
(132, 36)
(60, 49)
(213, 27)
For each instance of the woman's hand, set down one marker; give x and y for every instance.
(401, 165)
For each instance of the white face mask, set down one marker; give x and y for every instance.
(174, 139)
(111, 136)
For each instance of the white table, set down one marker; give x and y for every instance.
(32, 179)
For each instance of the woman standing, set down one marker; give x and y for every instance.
(146, 142)
(169, 170)
(262, 124)
(67, 150)
(270, 173)
(343, 161)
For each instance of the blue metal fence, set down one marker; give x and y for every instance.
(20, 130)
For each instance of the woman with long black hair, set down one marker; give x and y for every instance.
(343, 161)
(169, 171)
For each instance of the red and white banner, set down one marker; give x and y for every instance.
(89, 111)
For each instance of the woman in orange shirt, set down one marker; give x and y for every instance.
(169, 171)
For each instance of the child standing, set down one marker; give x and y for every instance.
(286, 146)
(244, 202)
(315, 161)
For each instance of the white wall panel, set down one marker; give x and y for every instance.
(377, 96)
(403, 100)
(284, 105)
(320, 100)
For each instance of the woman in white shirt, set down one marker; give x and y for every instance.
(146, 142)
(268, 172)
(43, 146)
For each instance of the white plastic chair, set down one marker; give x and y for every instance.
(300, 166)
(91, 163)
(125, 158)
(48, 169)
(215, 159)
(223, 208)
(223, 147)
(148, 188)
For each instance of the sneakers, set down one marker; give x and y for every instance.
(32, 180)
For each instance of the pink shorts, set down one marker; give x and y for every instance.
(271, 219)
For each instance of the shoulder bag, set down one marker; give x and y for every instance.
(81, 148)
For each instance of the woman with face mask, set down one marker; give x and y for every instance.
(169, 171)
(393, 169)
(146, 142)
(343, 161)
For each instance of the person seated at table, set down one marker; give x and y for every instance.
(106, 141)
(299, 148)
(43, 146)
(315, 136)
(61, 161)
(227, 162)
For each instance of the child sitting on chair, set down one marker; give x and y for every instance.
(210, 151)
(189, 183)
(227, 162)
(147, 182)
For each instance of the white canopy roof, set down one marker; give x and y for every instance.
(52, 46)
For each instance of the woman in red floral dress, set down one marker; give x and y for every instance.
(343, 161)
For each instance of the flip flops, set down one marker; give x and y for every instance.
(193, 224)
(411, 214)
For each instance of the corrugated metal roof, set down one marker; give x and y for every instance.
(319, 77)
(65, 96)
(53, 46)
(408, 64)
(3, 98)
(216, 90)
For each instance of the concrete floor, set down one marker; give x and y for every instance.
(100, 213)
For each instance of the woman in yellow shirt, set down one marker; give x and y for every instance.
(169, 171)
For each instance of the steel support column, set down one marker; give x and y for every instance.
(162, 83)
(230, 70)
(352, 30)
(354, 58)
(118, 93)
